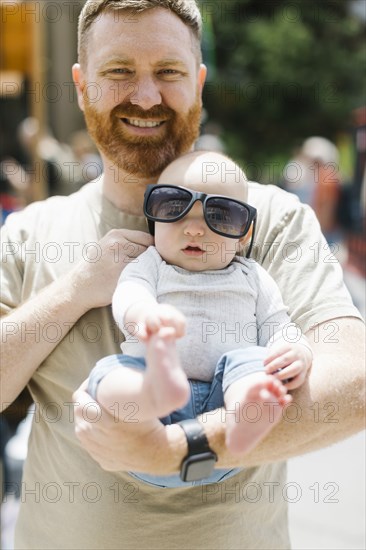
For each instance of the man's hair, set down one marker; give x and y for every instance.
(186, 10)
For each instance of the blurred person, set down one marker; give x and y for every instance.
(65, 164)
(210, 139)
(87, 160)
(15, 187)
(145, 58)
(313, 175)
(15, 182)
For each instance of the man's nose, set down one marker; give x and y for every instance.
(146, 93)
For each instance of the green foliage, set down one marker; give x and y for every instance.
(283, 71)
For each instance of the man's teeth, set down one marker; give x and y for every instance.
(143, 123)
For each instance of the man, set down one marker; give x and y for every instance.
(139, 84)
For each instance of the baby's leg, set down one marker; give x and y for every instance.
(165, 381)
(254, 406)
(137, 395)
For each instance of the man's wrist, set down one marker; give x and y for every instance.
(79, 289)
(200, 461)
(214, 424)
(178, 447)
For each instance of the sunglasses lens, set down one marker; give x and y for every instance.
(167, 203)
(227, 216)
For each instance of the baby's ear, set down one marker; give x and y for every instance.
(240, 245)
(244, 240)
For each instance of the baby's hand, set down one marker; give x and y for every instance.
(163, 315)
(289, 363)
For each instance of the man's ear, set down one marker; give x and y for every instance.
(202, 73)
(79, 81)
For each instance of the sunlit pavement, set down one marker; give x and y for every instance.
(328, 492)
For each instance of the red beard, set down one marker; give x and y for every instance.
(143, 156)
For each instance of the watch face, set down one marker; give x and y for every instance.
(198, 467)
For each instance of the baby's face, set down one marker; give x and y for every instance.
(189, 243)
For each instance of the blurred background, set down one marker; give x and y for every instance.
(285, 97)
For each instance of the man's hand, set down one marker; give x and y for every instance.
(148, 447)
(88, 285)
(97, 280)
(328, 407)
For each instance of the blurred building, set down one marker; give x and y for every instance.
(39, 45)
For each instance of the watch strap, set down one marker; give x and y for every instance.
(196, 438)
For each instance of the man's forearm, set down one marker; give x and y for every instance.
(327, 408)
(24, 344)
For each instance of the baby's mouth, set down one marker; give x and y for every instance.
(193, 250)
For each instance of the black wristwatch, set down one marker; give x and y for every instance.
(200, 460)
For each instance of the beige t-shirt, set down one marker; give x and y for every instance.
(67, 500)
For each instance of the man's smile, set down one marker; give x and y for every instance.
(140, 123)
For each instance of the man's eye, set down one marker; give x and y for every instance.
(169, 72)
(120, 71)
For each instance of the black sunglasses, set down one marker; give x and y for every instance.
(223, 215)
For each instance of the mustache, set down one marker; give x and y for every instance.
(129, 110)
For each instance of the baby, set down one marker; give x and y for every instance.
(204, 326)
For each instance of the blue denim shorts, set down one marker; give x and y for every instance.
(205, 397)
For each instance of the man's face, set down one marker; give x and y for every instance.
(141, 89)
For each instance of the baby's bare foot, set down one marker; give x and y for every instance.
(254, 406)
(164, 378)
